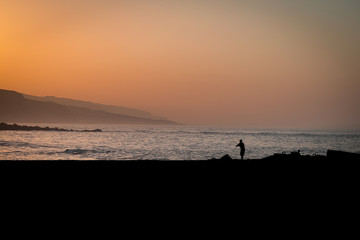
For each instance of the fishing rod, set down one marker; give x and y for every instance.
(232, 139)
(142, 156)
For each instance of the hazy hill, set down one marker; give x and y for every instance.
(94, 106)
(15, 108)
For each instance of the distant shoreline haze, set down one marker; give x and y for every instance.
(94, 106)
(15, 108)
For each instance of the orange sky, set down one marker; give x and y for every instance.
(231, 63)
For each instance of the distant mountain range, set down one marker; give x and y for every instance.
(17, 107)
(94, 106)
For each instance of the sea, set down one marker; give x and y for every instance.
(125, 142)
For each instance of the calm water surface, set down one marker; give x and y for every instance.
(119, 142)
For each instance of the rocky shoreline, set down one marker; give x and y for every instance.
(296, 156)
(279, 168)
(16, 127)
(225, 160)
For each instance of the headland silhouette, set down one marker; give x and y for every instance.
(14, 107)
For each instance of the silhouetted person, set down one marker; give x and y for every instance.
(242, 149)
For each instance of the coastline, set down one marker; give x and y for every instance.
(332, 156)
(283, 172)
(16, 127)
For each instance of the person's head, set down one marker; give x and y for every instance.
(240, 140)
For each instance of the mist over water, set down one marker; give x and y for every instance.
(120, 142)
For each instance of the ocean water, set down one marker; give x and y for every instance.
(123, 142)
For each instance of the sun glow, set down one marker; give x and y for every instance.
(242, 64)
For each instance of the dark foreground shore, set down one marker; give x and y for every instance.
(225, 162)
(277, 174)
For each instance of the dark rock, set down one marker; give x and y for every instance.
(340, 155)
(95, 130)
(226, 157)
(15, 127)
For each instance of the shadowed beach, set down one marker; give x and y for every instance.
(293, 159)
(286, 172)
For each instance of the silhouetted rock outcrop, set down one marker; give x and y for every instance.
(294, 156)
(226, 157)
(334, 155)
(331, 155)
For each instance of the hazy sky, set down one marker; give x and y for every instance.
(237, 63)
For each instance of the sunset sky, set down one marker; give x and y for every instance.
(292, 64)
